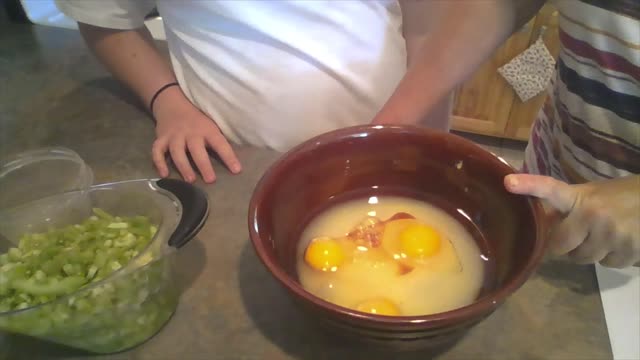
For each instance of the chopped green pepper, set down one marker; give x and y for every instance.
(105, 317)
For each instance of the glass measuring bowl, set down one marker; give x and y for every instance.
(133, 303)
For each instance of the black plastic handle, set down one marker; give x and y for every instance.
(195, 209)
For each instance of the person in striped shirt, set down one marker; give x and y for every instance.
(588, 135)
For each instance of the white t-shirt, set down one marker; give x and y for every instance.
(273, 73)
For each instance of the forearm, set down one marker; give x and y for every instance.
(446, 42)
(132, 58)
(182, 130)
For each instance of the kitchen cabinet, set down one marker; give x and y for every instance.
(486, 104)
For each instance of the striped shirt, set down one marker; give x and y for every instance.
(589, 127)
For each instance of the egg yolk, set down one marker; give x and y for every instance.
(379, 307)
(324, 254)
(419, 241)
(417, 245)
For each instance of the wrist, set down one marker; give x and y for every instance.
(423, 89)
(428, 110)
(159, 92)
(169, 103)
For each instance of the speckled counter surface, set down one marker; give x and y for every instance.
(52, 92)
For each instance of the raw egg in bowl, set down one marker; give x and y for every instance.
(397, 235)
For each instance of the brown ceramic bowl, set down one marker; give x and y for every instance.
(442, 167)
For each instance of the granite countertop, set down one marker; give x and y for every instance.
(52, 92)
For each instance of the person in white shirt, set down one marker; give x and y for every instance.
(275, 73)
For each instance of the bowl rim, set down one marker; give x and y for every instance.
(482, 306)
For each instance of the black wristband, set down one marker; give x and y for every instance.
(155, 96)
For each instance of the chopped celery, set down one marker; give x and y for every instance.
(107, 317)
(101, 214)
(118, 225)
(62, 260)
(49, 287)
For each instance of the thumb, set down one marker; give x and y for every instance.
(558, 194)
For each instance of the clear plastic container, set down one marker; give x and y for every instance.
(129, 306)
(39, 173)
